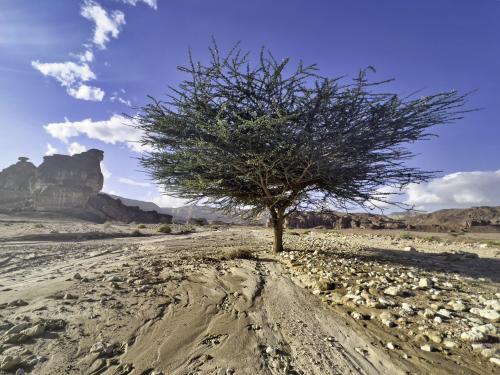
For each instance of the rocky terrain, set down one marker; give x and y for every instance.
(337, 220)
(67, 186)
(475, 219)
(84, 298)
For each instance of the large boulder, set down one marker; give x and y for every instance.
(15, 183)
(67, 182)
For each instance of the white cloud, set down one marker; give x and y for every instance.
(66, 73)
(118, 129)
(106, 25)
(152, 3)
(76, 148)
(51, 150)
(71, 75)
(457, 190)
(86, 92)
(128, 181)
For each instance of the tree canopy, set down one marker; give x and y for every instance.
(277, 138)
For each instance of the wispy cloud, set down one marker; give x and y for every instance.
(118, 129)
(128, 181)
(107, 25)
(73, 74)
(115, 97)
(152, 3)
(87, 56)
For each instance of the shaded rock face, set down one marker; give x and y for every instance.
(64, 181)
(108, 208)
(15, 183)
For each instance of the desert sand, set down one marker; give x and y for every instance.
(80, 298)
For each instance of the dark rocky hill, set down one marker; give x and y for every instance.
(184, 214)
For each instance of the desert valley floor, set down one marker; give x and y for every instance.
(80, 298)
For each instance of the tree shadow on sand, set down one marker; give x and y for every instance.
(65, 237)
(465, 264)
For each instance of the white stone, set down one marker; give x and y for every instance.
(473, 335)
(488, 329)
(425, 283)
(35, 331)
(492, 315)
(449, 344)
(457, 306)
(444, 313)
(495, 360)
(390, 346)
(410, 249)
(427, 348)
(393, 291)
(493, 304)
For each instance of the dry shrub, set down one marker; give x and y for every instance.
(238, 254)
(165, 229)
(141, 226)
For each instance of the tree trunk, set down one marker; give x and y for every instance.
(278, 222)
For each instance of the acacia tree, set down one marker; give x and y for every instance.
(279, 139)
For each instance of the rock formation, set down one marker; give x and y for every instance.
(336, 220)
(67, 185)
(67, 182)
(15, 184)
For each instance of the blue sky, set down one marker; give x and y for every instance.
(70, 68)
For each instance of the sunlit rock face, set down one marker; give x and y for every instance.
(67, 182)
(15, 183)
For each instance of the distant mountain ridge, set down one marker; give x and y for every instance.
(483, 218)
(184, 213)
(453, 219)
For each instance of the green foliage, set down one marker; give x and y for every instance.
(280, 139)
(164, 228)
(141, 226)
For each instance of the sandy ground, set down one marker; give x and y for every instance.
(78, 298)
